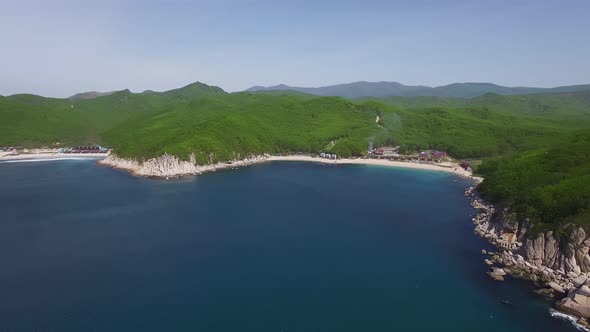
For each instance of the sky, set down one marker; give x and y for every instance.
(58, 48)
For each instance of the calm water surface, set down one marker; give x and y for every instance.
(275, 247)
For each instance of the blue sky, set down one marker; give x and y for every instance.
(58, 48)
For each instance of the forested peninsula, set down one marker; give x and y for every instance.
(535, 148)
(532, 149)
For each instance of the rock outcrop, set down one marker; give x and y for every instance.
(167, 166)
(577, 302)
(560, 264)
(569, 255)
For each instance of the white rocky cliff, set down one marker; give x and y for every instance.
(560, 264)
(171, 166)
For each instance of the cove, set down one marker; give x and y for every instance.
(272, 247)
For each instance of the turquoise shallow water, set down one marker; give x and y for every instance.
(275, 247)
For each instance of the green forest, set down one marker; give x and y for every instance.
(549, 186)
(535, 148)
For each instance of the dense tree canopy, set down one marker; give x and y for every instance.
(549, 186)
(534, 161)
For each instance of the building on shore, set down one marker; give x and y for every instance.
(328, 155)
(85, 149)
(8, 151)
(391, 153)
(431, 155)
(386, 151)
(466, 165)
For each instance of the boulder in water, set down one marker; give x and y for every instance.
(577, 303)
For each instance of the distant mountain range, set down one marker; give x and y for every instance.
(394, 89)
(364, 89)
(90, 95)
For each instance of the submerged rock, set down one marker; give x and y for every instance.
(497, 274)
(547, 292)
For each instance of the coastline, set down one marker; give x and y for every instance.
(509, 258)
(453, 168)
(399, 230)
(565, 282)
(169, 166)
(26, 157)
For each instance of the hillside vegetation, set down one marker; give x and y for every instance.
(537, 147)
(549, 186)
(547, 105)
(31, 120)
(215, 125)
(471, 132)
(235, 125)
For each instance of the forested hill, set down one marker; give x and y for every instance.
(207, 121)
(32, 120)
(550, 186)
(554, 104)
(536, 146)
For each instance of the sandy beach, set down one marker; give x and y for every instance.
(452, 168)
(134, 166)
(49, 156)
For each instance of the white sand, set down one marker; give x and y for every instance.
(455, 168)
(448, 167)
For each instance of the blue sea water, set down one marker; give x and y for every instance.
(274, 247)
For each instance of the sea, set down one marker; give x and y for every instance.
(278, 247)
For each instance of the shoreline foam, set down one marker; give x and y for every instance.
(572, 319)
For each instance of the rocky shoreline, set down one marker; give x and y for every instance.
(559, 267)
(169, 166)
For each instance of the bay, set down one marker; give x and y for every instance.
(273, 247)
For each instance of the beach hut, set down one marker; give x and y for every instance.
(439, 154)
